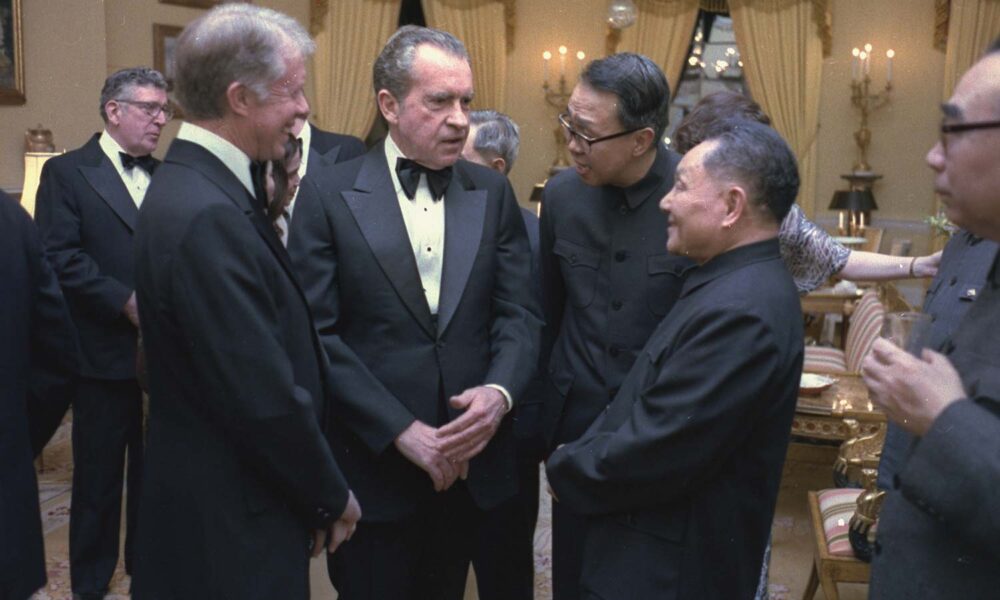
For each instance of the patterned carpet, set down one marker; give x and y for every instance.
(806, 468)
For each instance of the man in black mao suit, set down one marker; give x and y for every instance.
(87, 205)
(417, 268)
(607, 278)
(679, 476)
(38, 358)
(239, 476)
(937, 534)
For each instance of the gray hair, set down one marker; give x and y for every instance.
(497, 134)
(757, 157)
(123, 82)
(642, 90)
(233, 43)
(392, 67)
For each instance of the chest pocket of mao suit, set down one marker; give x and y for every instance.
(665, 276)
(578, 265)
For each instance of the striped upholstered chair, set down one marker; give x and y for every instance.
(865, 327)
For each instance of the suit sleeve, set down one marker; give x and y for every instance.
(516, 323)
(690, 414)
(553, 290)
(233, 336)
(371, 411)
(953, 473)
(59, 221)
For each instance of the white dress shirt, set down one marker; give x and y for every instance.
(235, 159)
(136, 179)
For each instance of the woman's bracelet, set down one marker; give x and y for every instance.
(913, 262)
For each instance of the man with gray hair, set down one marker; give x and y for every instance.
(607, 279)
(88, 202)
(417, 267)
(239, 474)
(493, 141)
(678, 477)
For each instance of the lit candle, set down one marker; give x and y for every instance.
(862, 219)
(840, 222)
(546, 57)
(868, 59)
(888, 65)
(579, 62)
(854, 63)
(562, 61)
(865, 64)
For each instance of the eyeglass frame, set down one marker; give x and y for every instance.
(147, 107)
(947, 128)
(589, 141)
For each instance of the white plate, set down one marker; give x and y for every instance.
(813, 384)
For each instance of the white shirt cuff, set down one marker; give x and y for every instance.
(506, 394)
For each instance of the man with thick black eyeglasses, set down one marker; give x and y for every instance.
(937, 532)
(607, 279)
(88, 202)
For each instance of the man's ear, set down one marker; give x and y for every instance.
(499, 164)
(113, 109)
(239, 97)
(388, 106)
(643, 139)
(736, 202)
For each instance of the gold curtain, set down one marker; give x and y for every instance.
(782, 50)
(662, 32)
(482, 27)
(972, 25)
(349, 35)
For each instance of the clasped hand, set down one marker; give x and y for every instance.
(444, 453)
(340, 530)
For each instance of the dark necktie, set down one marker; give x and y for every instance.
(147, 162)
(258, 175)
(409, 172)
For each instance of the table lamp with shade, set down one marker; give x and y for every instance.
(853, 207)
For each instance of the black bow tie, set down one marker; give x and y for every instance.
(258, 175)
(409, 172)
(147, 162)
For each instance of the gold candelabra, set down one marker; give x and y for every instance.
(558, 97)
(866, 101)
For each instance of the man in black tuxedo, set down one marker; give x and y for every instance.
(321, 149)
(417, 268)
(504, 556)
(38, 358)
(607, 279)
(87, 205)
(679, 476)
(239, 475)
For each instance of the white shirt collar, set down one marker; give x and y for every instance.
(111, 148)
(392, 152)
(235, 159)
(306, 136)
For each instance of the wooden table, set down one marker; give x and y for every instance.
(826, 301)
(822, 417)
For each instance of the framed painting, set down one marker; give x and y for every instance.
(11, 55)
(164, 41)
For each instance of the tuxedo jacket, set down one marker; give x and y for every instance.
(237, 470)
(335, 147)
(87, 218)
(938, 528)
(37, 342)
(392, 361)
(680, 474)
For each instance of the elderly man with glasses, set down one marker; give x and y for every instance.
(607, 279)
(938, 534)
(88, 202)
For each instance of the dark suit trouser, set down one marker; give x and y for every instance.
(569, 532)
(425, 556)
(107, 422)
(504, 556)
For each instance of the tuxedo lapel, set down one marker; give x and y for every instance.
(108, 184)
(464, 215)
(206, 163)
(375, 207)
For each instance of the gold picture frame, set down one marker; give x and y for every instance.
(11, 53)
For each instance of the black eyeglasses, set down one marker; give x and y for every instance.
(151, 109)
(585, 140)
(947, 128)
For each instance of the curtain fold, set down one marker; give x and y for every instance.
(663, 33)
(972, 25)
(782, 51)
(482, 27)
(342, 65)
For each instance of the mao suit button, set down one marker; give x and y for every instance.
(617, 305)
